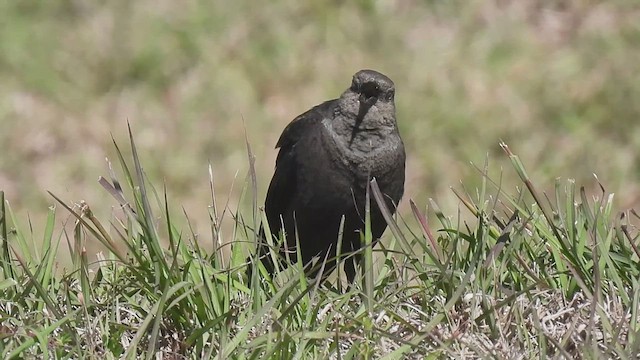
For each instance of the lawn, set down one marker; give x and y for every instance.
(483, 259)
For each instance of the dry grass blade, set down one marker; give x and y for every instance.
(424, 226)
(393, 225)
(100, 234)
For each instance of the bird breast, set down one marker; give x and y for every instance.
(371, 155)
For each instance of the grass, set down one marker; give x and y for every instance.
(503, 267)
(531, 276)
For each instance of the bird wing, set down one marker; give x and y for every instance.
(282, 189)
(301, 124)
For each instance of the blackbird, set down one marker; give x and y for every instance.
(327, 157)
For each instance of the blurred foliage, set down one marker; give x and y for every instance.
(556, 80)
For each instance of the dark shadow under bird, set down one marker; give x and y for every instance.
(327, 157)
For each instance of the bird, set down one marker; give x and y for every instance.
(327, 157)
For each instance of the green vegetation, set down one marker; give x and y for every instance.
(497, 268)
(530, 276)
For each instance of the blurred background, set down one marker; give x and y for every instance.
(558, 81)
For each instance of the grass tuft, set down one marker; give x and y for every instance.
(526, 275)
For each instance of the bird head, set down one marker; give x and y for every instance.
(371, 87)
(366, 106)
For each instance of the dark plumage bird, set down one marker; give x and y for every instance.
(327, 157)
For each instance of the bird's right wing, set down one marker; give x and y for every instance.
(282, 189)
(302, 125)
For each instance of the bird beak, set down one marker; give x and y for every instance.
(367, 101)
(365, 104)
